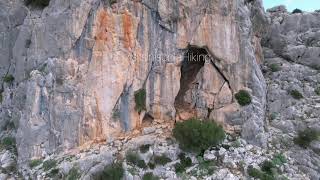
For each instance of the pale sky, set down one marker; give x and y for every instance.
(304, 5)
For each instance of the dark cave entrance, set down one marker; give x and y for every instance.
(194, 60)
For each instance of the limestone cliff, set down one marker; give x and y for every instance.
(77, 65)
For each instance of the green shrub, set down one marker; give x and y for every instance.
(305, 137)
(206, 167)
(113, 172)
(279, 159)
(134, 159)
(296, 94)
(37, 3)
(317, 91)
(49, 164)
(150, 176)
(54, 174)
(295, 11)
(8, 78)
(113, 1)
(256, 173)
(196, 136)
(243, 97)
(144, 148)
(274, 67)
(151, 165)
(8, 143)
(140, 100)
(184, 163)
(161, 160)
(73, 174)
(267, 166)
(35, 162)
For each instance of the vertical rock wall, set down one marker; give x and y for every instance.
(75, 79)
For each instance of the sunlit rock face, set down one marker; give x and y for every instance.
(77, 65)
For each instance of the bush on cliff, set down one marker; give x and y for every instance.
(140, 100)
(296, 94)
(243, 97)
(305, 137)
(114, 171)
(8, 78)
(295, 11)
(196, 136)
(37, 3)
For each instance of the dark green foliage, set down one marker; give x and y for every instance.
(161, 160)
(151, 165)
(243, 97)
(140, 100)
(196, 136)
(8, 143)
(142, 164)
(73, 174)
(184, 163)
(150, 176)
(134, 159)
(297, 11)
(305, 137)
(37, 3)
(113, 1)
(317, 91)
(8, 78)
(296, 94)
(54, 173)
(274, 67)
(49, 164)
(144, 148)
(35, 162)
(113, 172)
(256, 173)
(279, 159)
(267, 166)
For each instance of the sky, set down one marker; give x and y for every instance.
(304, 5)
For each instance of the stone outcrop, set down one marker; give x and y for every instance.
(77, 65)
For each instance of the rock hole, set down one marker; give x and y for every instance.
(147, 120)
(193, 61)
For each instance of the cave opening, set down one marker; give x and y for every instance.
(194, 60)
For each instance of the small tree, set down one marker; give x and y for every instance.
(296, 94)
(305, 137)
(295, 11)
(37, 3)
(243, 97)
(197, 136)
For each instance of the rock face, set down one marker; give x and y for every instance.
(77, 65)
(292, 64)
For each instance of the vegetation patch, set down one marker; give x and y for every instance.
(317, 91)
(184, 163)
(144, 148)
(8, 78)
(279, 159)
(206, 167)
(140, 100)
(243, 97)
(49, 164)
(114, 171)
(296, 11)
(37, 3)
(196, 136)
(133, 158)
(274, 67)
(9, 143)
(150, 176)
(161, 160)
(151, 165)
(305, 137)
(268, 170)
(35, 162)
(296, 94)
(73, 174)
